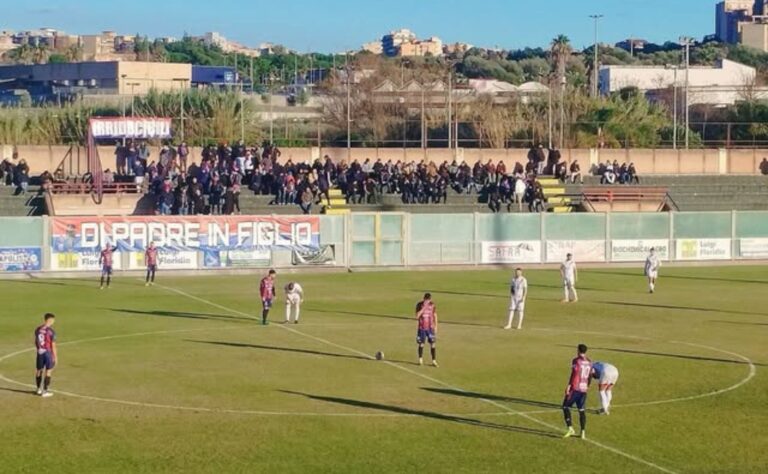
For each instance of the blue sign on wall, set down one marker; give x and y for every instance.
(21, 259)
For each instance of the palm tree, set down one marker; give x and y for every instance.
(74, 53)
(559, 53)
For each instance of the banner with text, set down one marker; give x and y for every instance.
(582, 250)
(703, 249)
(527, 251)
(166, 260)
(637, 250)
(753, 248)
(122, 127)
(177, 237)
(84, 260)
(259, 257)
(21, 259)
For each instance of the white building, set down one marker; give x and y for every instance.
(724, 84)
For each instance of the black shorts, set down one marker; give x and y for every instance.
(45, 361)
(575, 398)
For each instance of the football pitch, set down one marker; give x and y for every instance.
(180, 377)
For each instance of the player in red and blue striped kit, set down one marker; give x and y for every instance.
(426, 314)
(105, 260)
(150, 259)
(45, 347)
(576, 391)
(267, 292)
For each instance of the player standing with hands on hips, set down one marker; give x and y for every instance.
(45, 345)
(652, 264)
(426, 314)
(568, 273)
(267, 292)
(105, 260)
(150, 259)
(294, 296)
(519, 291)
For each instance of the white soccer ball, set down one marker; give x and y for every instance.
(379, 355)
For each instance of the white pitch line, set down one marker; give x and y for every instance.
(438, 382)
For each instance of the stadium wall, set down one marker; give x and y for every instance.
(647, 161)
(379, 240)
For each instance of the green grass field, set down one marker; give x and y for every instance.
(179, 378)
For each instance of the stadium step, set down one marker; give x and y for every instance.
(337, 212)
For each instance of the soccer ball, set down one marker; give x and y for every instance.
(379, 355)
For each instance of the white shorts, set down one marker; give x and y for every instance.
(292, 300)
(609, 376)
(517, 305)
(653, 275)
(569, 283)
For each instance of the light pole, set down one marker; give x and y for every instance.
(133, 96)
(687, 42)
(450, 109)
(674, 105)
(596, 19)
(349, 108)
(563, 84)
(182, 89)
(242, 113)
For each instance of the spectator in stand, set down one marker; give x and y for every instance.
(23, 182)
(540, 160)
(229, 202)
(520, 190)
(167, 201)
(306, 201)
(46, 180)
(494, 199)
(131, 157)
(576, 172)
(289, 189)
(108, 177)
(138, 172)
(609, 175)
(216, 194)
(553, 158)
(501, 171)
(183, 153)
(120, 158)
(561, 170)
(764, 167)
(144, 152)
(236, 198)
(632, 174)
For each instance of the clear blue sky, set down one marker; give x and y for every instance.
(335, 25)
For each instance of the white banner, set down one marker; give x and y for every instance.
(166, 260)
(637, 250)
(582, 250)
(81, 261)
(703, 249)
(119, 127)
(753, 248)
(527, 251)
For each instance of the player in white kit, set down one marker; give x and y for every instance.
(294, 296)
(518, 293)
(607, 375)
(568, 273)
(652, 264)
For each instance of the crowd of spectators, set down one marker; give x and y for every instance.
(16, 175)
(613, 173)
(213, 186)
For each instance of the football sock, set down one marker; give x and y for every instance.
(109, 280)
(433, 351)
(298, 310)
(147, 276)
(609, 398)
(47, 383)
(102, 281)
(520, 320)
(38, 380)
(567, 416)
(421, 352)
(603, 400)
(287, 313)
(567, 294)
(510, 318)
(583, 419)
(153, 276)
(575, 295)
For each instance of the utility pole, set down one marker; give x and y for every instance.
(687, 42)
(271, 113)
(549, 113)
(595, 89)
(349, 109)
(450, 109)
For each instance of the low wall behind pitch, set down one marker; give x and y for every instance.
(397, 240)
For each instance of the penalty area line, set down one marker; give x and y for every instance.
(431, 379)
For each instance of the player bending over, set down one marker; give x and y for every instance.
(426, 314)
(576, 391)
(45, 343)
(150, 258)
(294, 296)
(569, 274)
(268, 293)
(606, 376)
(105, 260)
(519, 291)
(652, 264)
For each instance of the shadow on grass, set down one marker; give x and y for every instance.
(683, 277)
(425, 414)
(34, 282)
(181, 314)
(673, 356)
(498, 398)
(23, 392)
(281, 349)
(681, 308)
(390, 316)
(740, 323)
